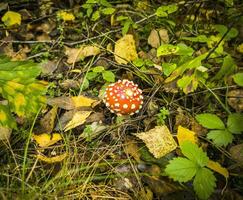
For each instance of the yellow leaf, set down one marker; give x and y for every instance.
(215, 166)
(65, 16)
(46, 140)
(78, 119)
(82, 101)
(125, 50)
(11, 18)
(53, 159)
(77, 54)
(184, 134)
(158, 140)
(240, 48)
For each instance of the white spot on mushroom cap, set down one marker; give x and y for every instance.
(117, 104)
(125, 106)
(133, 106)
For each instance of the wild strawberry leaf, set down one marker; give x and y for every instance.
(220, 137)
(210, 121)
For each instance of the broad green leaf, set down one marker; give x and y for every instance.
(105, 3)
(108, 11)
(11, 18)
(222, 29)
(108, 76)
(220, 137)
(227, 68)
(139, 62)
(163, 11)
(199, 38)
(91, 75)
(98, 69)
(181, 169)
(166, 49)
(184, 50)
(194, 153)
(6, 119)
(95, 16)
(168, 68)
(238, 79)
(204, 183)
(235, 123)
(210, 121)
(184, 82)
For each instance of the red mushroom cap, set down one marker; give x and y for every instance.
(123, 97)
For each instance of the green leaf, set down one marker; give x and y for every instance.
(204, 183)
(210, 121)
(6, 119)
(235, 123)
(139, 62)
(168, 68)
(163, 11)
(91, 76)
(126, 27)
(105, 3)
(184, 50)
(181, 169)
(95, 16)
(222, 29)
(194, 153)
(238, 79)
(98, 69)
(199, 38)
(108, 76)
(11, 18)
(166, 49)
(220, 137)
(108, 11)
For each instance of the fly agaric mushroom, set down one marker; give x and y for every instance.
(123, 97)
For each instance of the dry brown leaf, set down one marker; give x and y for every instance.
(47, 122)
(237, 152)
(158, 37)
(77, 54)
(215, 166)
(5, 133)
(69, 103)
(184, 134)
(47, 68)
(235, 99)
(53, 159)
(78, 119)
(125, 50)
(131, 148)
(158, 140)
(46, 140)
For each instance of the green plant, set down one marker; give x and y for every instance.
(193, 167)
(220, 133)
(126, 22)
(162, 115)
(19, 87)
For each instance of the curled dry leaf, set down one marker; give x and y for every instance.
(69, 103)
(158, 140)
(53, 159)
(158, 37)
(125, 50)
(77, 54)
(46, 140)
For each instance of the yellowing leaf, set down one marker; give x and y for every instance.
(215, 166)
(46, 140)
(53, 159)
(78, 119)
(184, 134)
(125, 50)
(11, 18)
(77, 54)
(65, 16)
(240, 48)
(158, 140)
(69, 103)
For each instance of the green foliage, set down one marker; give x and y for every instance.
(238, 79)
(222, 136)
(185, 169)
(126, 22)
(164, 11)
(162, 115)
(24, 94)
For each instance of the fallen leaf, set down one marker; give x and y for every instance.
(46, 140)
(215, 166)
(78, 119)
(131, 148)
(11, 18)
(47, 122)
(184, 134)
(158, 37)
(5, 133)
(69, 103)
(237, 152)
(158, 140)
(53, 159)
(65, 16)
(77, 54)
(125, 50)
(235, 99)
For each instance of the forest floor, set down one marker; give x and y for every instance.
(58, 138)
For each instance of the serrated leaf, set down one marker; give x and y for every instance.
(181, 169)
(46, 140)
(184, 134)
(215, 166)
(235, 123)
(158, 140)
(238, 79)
(194, 153)
(220, 137)
(204, 183)
(11, 18)
(210, 121)
(109, 76)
